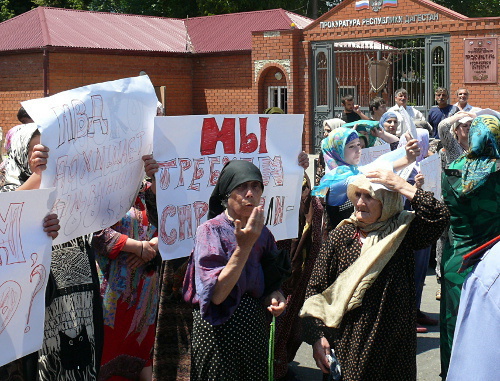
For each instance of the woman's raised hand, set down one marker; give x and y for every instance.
(392, 181)
(38, 159)
(412, 149)
(247, 236)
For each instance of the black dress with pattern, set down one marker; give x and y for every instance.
(377, 341)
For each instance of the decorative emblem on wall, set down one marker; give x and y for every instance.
(378, 72)
(375, 5)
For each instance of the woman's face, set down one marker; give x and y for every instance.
(367, 208)
(391, 125)
(352, 152)
(243, 199)
(462, 131)
(33, 142)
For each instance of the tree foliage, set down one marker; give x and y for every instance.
(193, 8)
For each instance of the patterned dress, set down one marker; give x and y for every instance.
(377, 341)
(130, 296)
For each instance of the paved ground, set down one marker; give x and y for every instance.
(428, 364)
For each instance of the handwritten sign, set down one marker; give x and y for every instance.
(430, 167)
(97, 135)
(24, 270)
(192, 150)
(369, 155)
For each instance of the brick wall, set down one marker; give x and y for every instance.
(71, 70)
(21, 78)
(222, 84)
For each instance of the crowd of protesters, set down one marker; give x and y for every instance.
(350, 285)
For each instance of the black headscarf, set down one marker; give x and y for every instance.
(234, 173)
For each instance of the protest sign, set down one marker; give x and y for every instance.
(369, 155)
(97, 135)
(24, 270)
(192, 150)
(430, 167)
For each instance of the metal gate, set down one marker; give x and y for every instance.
(366, 69)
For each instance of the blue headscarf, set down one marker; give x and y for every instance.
(385, 116)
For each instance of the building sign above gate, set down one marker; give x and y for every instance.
(481, 60)
(406, 19)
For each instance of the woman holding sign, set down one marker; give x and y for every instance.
(128, 267)
(72, 341)
(342, 153)
(225, 281)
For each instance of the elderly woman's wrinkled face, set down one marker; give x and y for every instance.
(391, 125)
(352, 152)
(367, 209)
(243, 199)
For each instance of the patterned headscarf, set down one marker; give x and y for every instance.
(364, 125)
(484, 150)
(334, 144)
(17, 169)
(333, 151)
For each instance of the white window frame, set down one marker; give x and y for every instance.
(270, 96)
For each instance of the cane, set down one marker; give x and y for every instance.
(270, 360)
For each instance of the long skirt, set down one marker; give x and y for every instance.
(235, 350)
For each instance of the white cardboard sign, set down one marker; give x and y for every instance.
(24, 270)
(192, 150)
(430, 167)
(97, 135)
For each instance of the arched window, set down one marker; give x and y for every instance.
(438, 67)
(322, 79)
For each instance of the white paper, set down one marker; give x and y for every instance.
(409, 122)
(97, 135)
(430, 167)
(24, 270)
(369, 155)
(189, 172)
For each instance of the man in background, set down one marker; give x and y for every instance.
(351, 111)
(401, 99)
(440, 111)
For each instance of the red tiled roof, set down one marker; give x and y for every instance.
(233, 31)
(57, 27)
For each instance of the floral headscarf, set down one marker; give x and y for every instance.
(364, 125)
(333, 151)
(334, 144)
(484, 149)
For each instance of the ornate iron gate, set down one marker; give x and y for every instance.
(366, 69)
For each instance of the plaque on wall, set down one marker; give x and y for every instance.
(480, 60)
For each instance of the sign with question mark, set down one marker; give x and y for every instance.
(24, 270)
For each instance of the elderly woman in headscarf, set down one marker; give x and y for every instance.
(72, 341)
(225, 280)
(361, 295)
(342, 153)
(471, 190)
